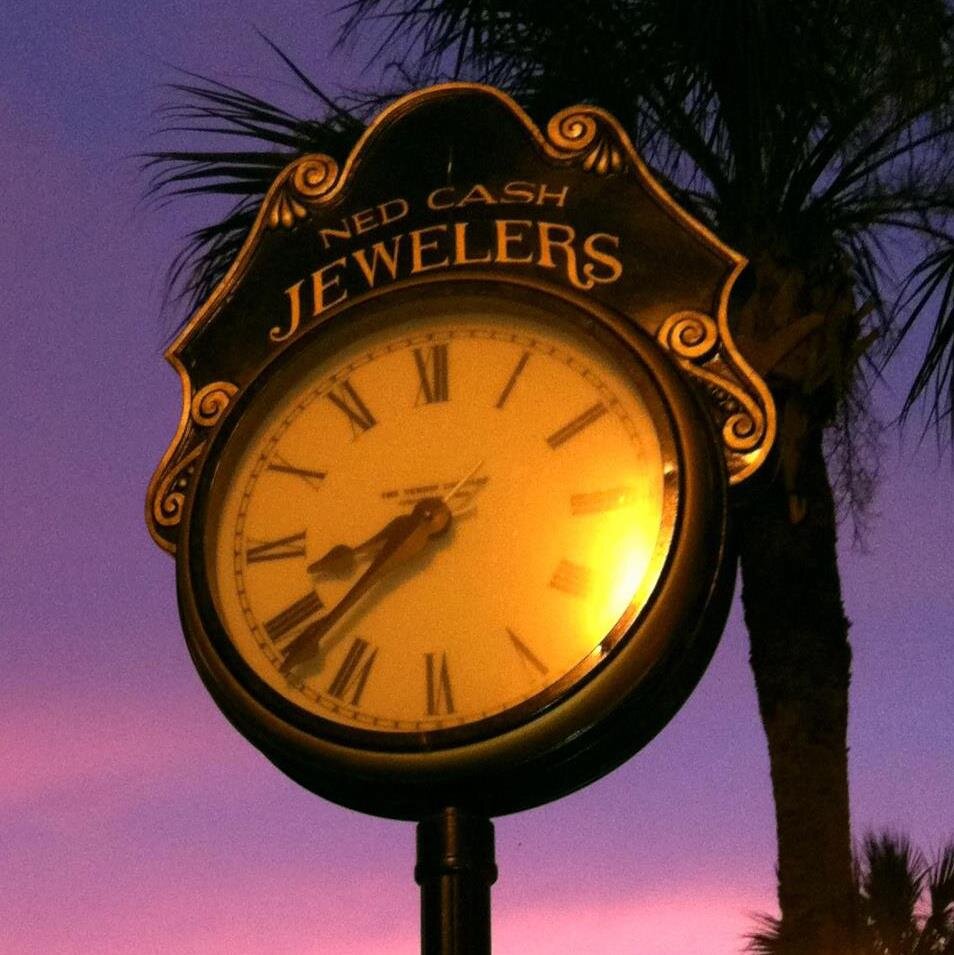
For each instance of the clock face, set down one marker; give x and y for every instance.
(435, 520)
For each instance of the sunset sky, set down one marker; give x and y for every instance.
(133, 818)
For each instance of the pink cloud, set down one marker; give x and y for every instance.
(313, 907)
(691, 920)
(188, 904)
(99, 753)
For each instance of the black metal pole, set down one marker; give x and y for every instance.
(455, 870)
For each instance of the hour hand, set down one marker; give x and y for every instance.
(342, 560)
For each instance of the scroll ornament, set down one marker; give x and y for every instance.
(305, 180)
(693, 339)
(587, 135)
(168, 502)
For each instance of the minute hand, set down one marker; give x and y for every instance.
(405, 537)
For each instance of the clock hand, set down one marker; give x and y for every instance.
(462, 481)
(337, 562)
(404, 538)
(340, 560)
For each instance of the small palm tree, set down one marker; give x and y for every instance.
(809, 136)
(904, 904)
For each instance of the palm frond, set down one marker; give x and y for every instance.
(939, 924)
(208, 253)
(431, 31)
(802, 130)
(767, 938)
(929, 293)
(269, 138)
(893, 876)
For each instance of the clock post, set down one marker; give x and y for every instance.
(449, 495)
(455, 870)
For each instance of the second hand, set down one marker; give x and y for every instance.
(462, 481)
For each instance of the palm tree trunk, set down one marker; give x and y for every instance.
(801, 660)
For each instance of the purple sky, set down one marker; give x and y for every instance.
(132, 817)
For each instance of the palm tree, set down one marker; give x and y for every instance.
(809, 136)
(905, 903)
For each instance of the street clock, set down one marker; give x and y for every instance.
(448, 497)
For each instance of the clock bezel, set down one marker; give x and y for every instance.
(497, 764)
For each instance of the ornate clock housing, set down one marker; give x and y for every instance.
(452, 530)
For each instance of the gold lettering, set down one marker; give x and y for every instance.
(460, 247)
(363, 221)
(379, 253)
(548, 243)
(517, 193)
(478, 193)
(320, 285)
(432, 202)
(343, 233)
(506, 238)
(559, 197)
(604, 258)
(294, 314)
(400, 205)
(419, 247)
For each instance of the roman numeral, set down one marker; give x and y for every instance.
(512, 380)
(310, 476)
(439, 698)
(596, 502)
(574, 427)
(572, 579)
(349, 401)
(293, 616)
(432, 374)
(353, 673)
(526, 653)
(280, 549)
